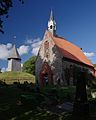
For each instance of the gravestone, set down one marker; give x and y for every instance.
(81, 106)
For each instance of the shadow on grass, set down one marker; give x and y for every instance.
(34, 108)
(10, 110)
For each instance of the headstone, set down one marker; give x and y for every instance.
(81, 106)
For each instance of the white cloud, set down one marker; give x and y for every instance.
(14, 37)
(32, 44)
(23, 49)
(89, 54)
(37, 44)
(4, 50)
(35, 47)
(9, 45)
(32, 41)
(29, 41)
(4, 69)
(35, 50)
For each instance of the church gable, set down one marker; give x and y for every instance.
(48, 49)
(49, 53)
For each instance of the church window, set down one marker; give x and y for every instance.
(46, 49)
(46, 45)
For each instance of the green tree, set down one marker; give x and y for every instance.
(29, 65)
(94, 65)
(5, 5)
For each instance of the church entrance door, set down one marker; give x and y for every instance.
(46, 76)
(46, 79)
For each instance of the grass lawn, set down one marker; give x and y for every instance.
(36, 107)
(10, 77)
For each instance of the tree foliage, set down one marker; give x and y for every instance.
(29, 65)
(94, 65)
(5, 5)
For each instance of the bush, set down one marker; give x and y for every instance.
(2, 83)
(59, 93)
(29, 65)
(32, 99)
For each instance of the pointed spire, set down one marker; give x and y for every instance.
(52, 24)
(14, 53)
(51, 15)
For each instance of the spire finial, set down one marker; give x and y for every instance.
(51, 15)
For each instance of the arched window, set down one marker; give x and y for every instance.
(46, 49)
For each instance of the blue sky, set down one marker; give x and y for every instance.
(75, 19)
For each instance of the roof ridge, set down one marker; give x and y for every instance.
(66, 46)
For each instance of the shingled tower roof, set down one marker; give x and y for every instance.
(14, 54)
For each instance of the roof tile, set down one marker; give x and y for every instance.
(71, 51)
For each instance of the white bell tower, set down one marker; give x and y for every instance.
(52, 24)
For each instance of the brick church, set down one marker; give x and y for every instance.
(59, 60)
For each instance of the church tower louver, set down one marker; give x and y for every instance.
(52, 24)
(14, 60)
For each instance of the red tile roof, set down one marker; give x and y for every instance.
(71, 51)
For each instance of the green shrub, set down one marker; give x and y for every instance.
(59, 93)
